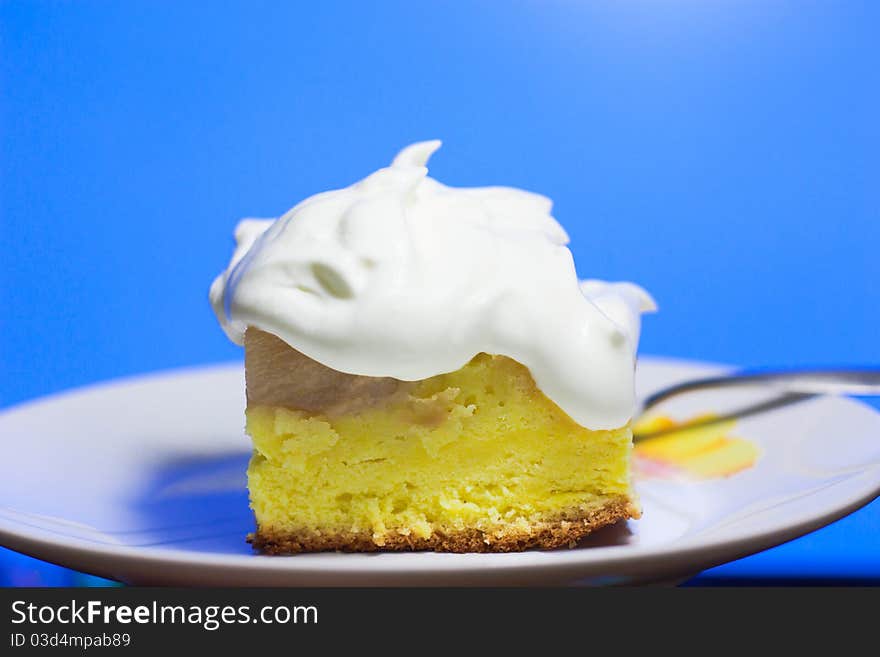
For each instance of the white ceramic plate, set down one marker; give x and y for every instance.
(143, 480)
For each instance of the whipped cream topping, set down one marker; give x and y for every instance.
(401, 276)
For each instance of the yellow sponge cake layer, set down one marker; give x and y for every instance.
(474, 460)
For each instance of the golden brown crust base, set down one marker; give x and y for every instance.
(564, 531)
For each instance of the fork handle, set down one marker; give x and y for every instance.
(863, 381)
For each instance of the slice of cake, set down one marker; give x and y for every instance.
(425, 371)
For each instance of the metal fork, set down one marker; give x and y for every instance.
(793, 386)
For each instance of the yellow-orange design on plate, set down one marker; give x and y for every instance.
(703, 452)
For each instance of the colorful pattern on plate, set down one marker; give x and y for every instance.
(703, 452)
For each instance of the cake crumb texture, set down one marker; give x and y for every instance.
(474, 460)
(565, 531)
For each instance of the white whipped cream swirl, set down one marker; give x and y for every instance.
(401, 276)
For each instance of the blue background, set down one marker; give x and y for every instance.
(724, 154)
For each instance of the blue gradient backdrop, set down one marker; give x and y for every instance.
(724, 154)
